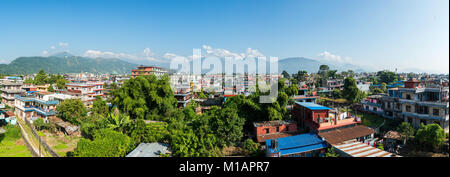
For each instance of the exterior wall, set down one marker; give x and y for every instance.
(273, 129)
(308, 119)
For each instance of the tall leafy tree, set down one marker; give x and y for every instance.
(431, 135)
(227, 125)
(406, 130)
(72, 110)
(61, 83)
(301, 75)
(40, 78)
(99, 107)
(285, 74)
(50, 88)
(145, 97)
(386, 76)
(351, 92)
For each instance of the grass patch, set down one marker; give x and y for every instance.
(374, 121)
(40, 134)
(60, 146)
(11, 143)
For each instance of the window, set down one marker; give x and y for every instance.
(287, 128)
(278, 129)
(374, 109)
(436, 112)
(408, 96)
(408, 108)
(267, 130)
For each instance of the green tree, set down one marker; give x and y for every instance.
(140, 132)
(72, 110)
(406, 130)
(227, 125)
(40, 124)
(29, 81)
(40, 78)
(285, 74)
(336, 94)
(201, 95)
(99, 107)
(292, 90)
(386, 76)
(301, 75)
(61, 83)
(351, 92)
(106, 143)
(117, 121)
(331, 153)
(145, 97)
(252, 147)
(332, 74)
(50, 88)
(431, 135)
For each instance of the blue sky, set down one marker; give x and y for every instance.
(383, 34)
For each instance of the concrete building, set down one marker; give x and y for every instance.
(424, 105)
(147, 70)
(86, 88)
(267, 130)
(9, 91)
(40, 104)
(312, 117)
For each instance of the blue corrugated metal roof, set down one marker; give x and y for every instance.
(312, 106)
(298, 143)
(304, 149)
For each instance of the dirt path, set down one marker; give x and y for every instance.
(30, 138)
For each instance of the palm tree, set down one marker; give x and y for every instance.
(117, 121)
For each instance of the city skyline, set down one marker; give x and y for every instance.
(406, 35)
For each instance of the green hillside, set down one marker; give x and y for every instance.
(66, 64)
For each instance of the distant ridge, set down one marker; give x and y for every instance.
(66, 63)
(294, 64)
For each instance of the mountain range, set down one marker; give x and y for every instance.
(68, 63)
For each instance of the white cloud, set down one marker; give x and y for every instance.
(52, 47)
(327, 56)
(147, 54)
(63, 44)
(45, 53)
(222, 53)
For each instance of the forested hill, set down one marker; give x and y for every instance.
(66, 64)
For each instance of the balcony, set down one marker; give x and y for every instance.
(424, 116)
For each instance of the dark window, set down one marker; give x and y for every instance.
(408, 97)
(278, 129)
(287, 128)
(436, 112)
(408, 108)
(267, 130)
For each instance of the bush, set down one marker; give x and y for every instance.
(106, 143)
(39, 124)
(251, 146)
(331, 153)
(380, 146)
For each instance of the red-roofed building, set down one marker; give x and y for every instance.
(274, 129)
(147, 70)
